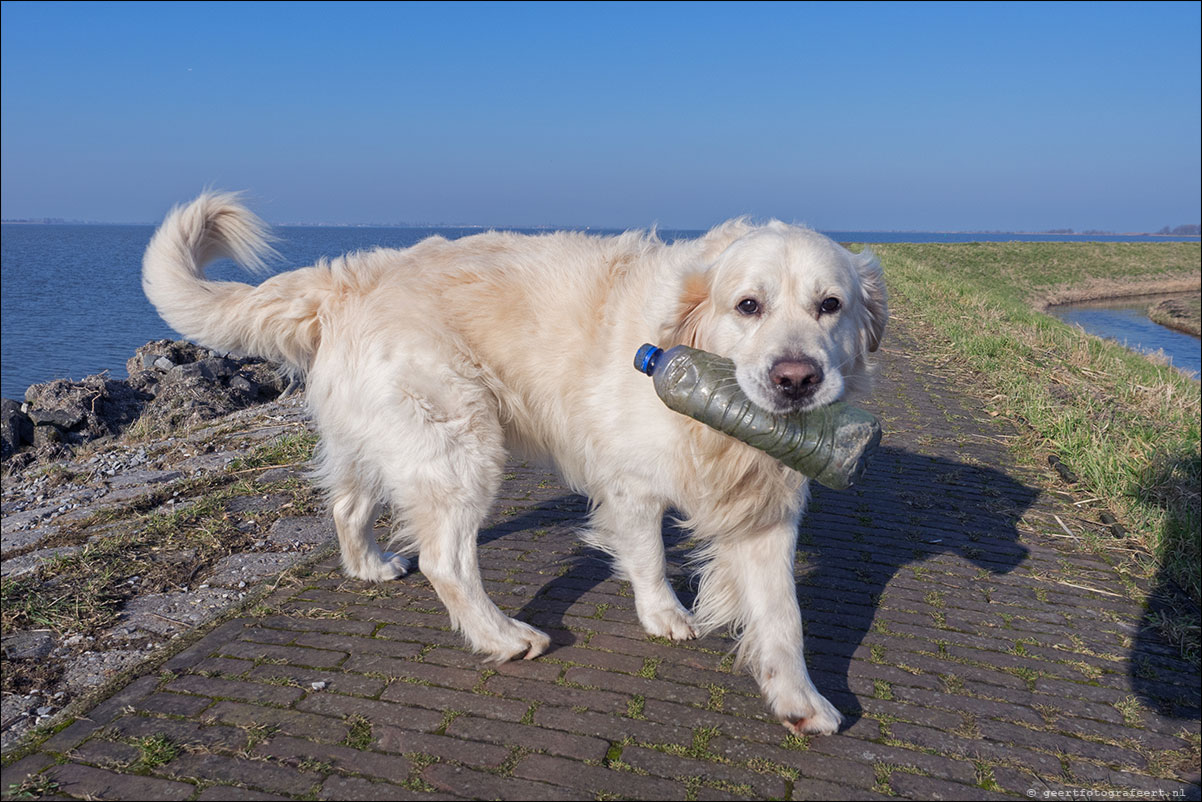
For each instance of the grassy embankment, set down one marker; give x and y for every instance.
(1182, 314)
(1128, 427)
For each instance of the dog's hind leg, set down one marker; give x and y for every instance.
(355, 517)
(443, 488)
(628, 526)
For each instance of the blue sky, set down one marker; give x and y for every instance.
(845, 116)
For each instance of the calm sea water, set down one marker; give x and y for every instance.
(72, 303)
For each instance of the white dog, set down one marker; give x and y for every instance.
(426, 366)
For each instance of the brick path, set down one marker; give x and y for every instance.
(977, 651)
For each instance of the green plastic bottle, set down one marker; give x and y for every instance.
(830, 444)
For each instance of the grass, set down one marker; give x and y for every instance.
(1127, 426)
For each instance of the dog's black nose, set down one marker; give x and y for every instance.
(796, 378)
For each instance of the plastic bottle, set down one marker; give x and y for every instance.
(830, 444)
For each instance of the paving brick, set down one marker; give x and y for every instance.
(290, 722)
(227, 666)
(92, 783)
(609, 727)
(565, 695)
(916, 786)
(335, 681)
(471, 784)
(71, 735)
(950, 768)
(241, 771)
(266, 635)
(611, 661)
(205, 646)
(656, 689)
(950, 744)
(173, 704)
(808, 788)
(18, 771)
(761, 785)
(555, 742)
(1057, 743)
(377, 712)
(352, 644)
(317, 657)
(353, 789)
(338, 625)
(287, 749)
(179, 732)
(471, 753)
(418, 638)
(462, 679)
(595, 780)
(761, 728)
(813, 766)
(1095, 729)
(984, 708)
(463, 701)
(235, 689)
(224, 793)
(104, 754)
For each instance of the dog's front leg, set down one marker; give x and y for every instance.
(629, 527)
(748, 582)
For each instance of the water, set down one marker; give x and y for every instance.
(72, 305)
(1126, 322)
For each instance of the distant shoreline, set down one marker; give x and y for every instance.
(601, 229)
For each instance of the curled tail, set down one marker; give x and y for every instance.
(277, 320)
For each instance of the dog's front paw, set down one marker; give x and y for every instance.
(517, 641)
(673, 622)
(815, 716)
(387, 567)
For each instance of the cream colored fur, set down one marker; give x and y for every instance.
(427, 366)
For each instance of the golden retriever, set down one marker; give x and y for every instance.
(426, 366)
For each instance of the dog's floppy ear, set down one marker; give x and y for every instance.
(684, 327)
(719, 238)
(876, 303)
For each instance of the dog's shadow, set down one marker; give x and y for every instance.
(939, 527)
(912, 513)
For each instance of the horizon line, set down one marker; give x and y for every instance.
(49, 221)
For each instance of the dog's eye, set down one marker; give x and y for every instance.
(829, 305)
(748, 306)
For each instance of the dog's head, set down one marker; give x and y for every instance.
(795, 311)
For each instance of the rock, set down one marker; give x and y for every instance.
(244, 385)
(84, 410)
(171, 384)
(96, 668)
(14, 567)
(237, 570)
(308, 530)
(143, 478)
(28, 645)
(62, 418)
(16, 428)
(169, 613)
(164, 355)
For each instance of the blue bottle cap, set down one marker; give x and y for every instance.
(644, 359)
